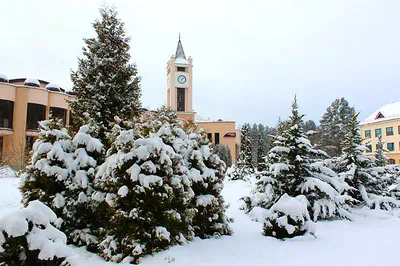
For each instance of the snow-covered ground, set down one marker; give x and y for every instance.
(371, 239)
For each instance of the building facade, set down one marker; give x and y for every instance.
(24, 102)
(180, 99)
(385, 122)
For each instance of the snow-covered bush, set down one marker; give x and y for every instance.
(233, 173)
(206, 175)
(61, 176)
(147, 190)
(81, 219)
(288, 218)
(45, 178)
(29, 237)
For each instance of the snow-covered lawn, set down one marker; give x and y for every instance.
(371, 239)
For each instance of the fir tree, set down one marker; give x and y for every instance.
(46, 177)
(261, 153)
(223, 153)
(334, 126)
(358, 168)
(106, 83)
(245, 156)
(147, 188)
(207, 175)
(293, 169)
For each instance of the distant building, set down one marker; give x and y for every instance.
(180, 99)
(386, 122)
(24, 102)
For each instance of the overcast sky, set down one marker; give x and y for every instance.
(250, 57)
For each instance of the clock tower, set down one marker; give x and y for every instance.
(179, 84)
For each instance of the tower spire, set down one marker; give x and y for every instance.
(179, 50)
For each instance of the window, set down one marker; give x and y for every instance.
(390, 146)
(209, 136)
(181, 69)
(36, 113)
(369, 148)
(391, 161)
(59, 113)
(378, 132)
(389, 131)
(29, 143)
(6, 114)
(216, 138)
(367, 133)
(398, 129)
(181, 100)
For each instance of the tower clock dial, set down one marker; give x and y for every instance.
(181, 79)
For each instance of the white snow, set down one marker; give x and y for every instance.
(3, 76)
(123, 191)
(370, 239)
(32, 81)
(52, 86)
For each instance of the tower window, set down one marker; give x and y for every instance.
(183, 69)
(181, 100)
(209, 136)
(216, 138)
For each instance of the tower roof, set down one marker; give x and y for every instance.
(179, 50)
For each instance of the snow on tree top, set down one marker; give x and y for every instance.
(3, 77)
(32, 81)
(386, 112)
(291, 206)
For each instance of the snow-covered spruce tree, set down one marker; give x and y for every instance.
(380, 156)
(147, 188)
(207, 175)
(333, 126)
(245, 155)
(106, 83)
(233, 173)
(45, 178)
(294, 169)
(358, 169)
(261, 153)
(29, 237)
(288, 218)
(81, 220)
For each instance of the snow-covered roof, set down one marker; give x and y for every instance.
(3, 77)
(52, 87)
(199, 118)
(181, 61)
(31, 81)
(387, 112)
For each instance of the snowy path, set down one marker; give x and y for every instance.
(370, 240)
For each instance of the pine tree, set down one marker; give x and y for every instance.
(223, 153)
(358, 168)
(294, 169)
(261, 153)
(245, 156)
(334, 126)
(380, 156)
(106, 83)
(254, 144)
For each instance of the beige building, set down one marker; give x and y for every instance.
(180, 99)
(386, 122)
(24, 102)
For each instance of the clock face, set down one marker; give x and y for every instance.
(181, 79)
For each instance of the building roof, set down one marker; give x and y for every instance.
(387, 112)
(179, 50)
